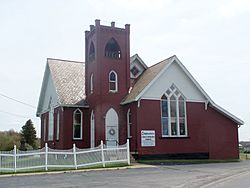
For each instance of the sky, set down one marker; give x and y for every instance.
(211, 38)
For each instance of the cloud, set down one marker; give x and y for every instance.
(234, 8)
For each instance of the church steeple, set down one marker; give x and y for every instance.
(107, 67)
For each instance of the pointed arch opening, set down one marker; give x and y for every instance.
(129, 123)
(91, 52)
(91, 87)
(92, 129)
(113, 81)
(112, 49)
(173, 113)
(77, 124)
(111, 128)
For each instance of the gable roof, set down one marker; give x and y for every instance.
(136, 56)
(150, 76)
(68, 78)
(144, 81)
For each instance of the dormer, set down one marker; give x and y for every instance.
(137, 66)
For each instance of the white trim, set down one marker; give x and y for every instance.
(136, 56)
(81, 128)
(195, 101)
(169, 117)
(58, 126)
(51, 125)
(44, 127)
(113, 123)
(129, 123)
(92, 129)
(153, 80)
(91, 83)
(116, 81)
(175, 59)
(228, 114)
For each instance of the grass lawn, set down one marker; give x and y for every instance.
(244, 156)
(99, 166)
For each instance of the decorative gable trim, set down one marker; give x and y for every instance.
(174, 59)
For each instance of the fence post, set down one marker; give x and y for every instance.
(74, 152)
(46, 156)
(14, 158)
(128, 152)
(103, 160)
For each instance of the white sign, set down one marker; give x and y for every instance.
(147, 138)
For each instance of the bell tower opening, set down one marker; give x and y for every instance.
(112, 49)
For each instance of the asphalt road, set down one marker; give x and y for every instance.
(200, 175)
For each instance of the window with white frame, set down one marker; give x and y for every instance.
(44, 127)
(77, 124)
(51, 124)
(57, 125)
(129, 123)
(173, 113)
(113, 81)
(91, 83)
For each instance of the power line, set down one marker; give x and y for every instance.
(12, 114)
(17, 100)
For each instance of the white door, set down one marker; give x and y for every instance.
(92, 130)
(111, 128)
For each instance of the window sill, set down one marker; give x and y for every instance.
(175, 137)
(110, 91)
(77, 139)
(129, 137)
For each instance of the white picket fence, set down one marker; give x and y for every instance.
(47, 158)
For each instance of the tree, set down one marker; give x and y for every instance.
(28, 135)
(8, 139)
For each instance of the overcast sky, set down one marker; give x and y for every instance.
(211, 38)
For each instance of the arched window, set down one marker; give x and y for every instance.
(173, 113)
(91, 83)
(112, 49)
(91, 52)
(129, 123)
(92, 129)
(113, 81)
(57, 125)
(77, 124)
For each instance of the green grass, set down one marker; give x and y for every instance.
(184, 161)
(98, 166)
(244, 156)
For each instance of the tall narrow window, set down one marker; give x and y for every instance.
(113, 82)
(129, 123)
(51, 124)
(77, 124)
(91, 52)
(164, 115)
(57, 125)
(112, 49)
(91, 83)
(44, 127)
(173, 113)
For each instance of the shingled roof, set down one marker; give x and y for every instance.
(69, 80)
(147, 77)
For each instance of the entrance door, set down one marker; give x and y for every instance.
(92, 130)
(111, 128)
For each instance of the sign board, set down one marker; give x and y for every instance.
(147, 138)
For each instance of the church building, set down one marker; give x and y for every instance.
(113, 96)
